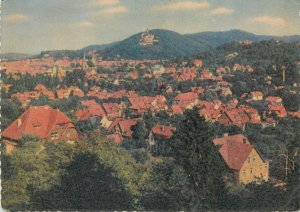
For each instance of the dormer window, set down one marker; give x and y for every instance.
(36, 124)
(244, 140)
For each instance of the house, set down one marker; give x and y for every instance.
(273, 100)
(133, 74)
(63, 93)
(246, 42)
(279, 110)
(163, 131)
(176, 109)
(123, 126)
(77, 91)
(42, 121)
(249, 69)
(207, 75)
(240, 116)
(169, 89)
(140, 104)
(225, 92)
(295, 114)
(269, 122)
(26, 97)
(44, 91)
(197, 90)
(113, 110)
(40, 87)
(237, 67)
(210, 114)
(186, 98)
(197, 62)
(257, 95)
(242, 159)
(185, 74)
(117, 138)
(232, 103)
(158, 69)
(92, 111)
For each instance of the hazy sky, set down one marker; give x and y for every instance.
(30, 26)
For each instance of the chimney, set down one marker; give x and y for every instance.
(225, 134)
(19, 122)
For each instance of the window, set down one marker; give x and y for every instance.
(254, 158)
(54, 135)
(251, 171)
(249, 159)
(244, 172)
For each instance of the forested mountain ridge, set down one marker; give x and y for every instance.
(170, 44)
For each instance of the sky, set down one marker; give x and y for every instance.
(31, 26)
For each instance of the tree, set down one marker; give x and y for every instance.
(10, 111)
(165, 188)
(194, 150)
(29, 171)
(140, 133)
(86, 185)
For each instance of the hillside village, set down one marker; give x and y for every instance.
(139, 105)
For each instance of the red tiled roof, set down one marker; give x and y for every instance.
(189, 96)
(37, 120)
(114, 124)
(234, 116)
(273, 99)
(197, 90)
(256, 93)
(40, 87)
(164, 131)
(112, 109)
(234, 150)
(279, 109)
(117, 138)
(177, 109)
(295, 114)
(125, 126)
(197, 62)
(93, 109)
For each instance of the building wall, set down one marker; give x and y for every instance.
(254, 168)
(61, 133)
(9, 146)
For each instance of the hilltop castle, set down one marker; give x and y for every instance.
(147, 38)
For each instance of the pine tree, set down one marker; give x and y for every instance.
(194, 150)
